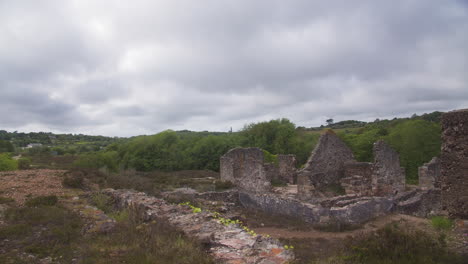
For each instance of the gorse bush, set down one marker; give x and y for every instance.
(7, 163)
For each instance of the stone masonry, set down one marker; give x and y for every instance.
(357, 178)
(454, 163)
(287, 168)
(429, 174)
(388, 177)
(324, 167)
(245, 168)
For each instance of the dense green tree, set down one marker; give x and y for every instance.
(6, 146)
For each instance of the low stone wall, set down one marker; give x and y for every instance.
(226, 243)
(357, 212)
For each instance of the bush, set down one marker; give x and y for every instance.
(441, 223)
(49, 200)
(223, 185)
(7, 163)
(24, 163)
(73, 180)
(5, 200)
(394, 244)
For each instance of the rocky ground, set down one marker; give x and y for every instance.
(18, 187)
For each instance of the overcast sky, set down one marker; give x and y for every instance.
(125, 68)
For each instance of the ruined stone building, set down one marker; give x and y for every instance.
(372, 188)
(454, 163)
(325, 166)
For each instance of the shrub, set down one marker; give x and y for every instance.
(394, 244)
(73, 181)
(24, 163)
(102, 202)
(441, 223)
(223, 185)
(49, 200)
(7, 163)
(4, 200)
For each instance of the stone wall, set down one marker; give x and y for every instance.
(357, 178)
(287, 168)
(454, 163)
(429, 174)
(349, 211)
(245, 168)
(226, 243)
(324, 167)
(388, 177)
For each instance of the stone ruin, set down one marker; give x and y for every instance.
(325, 166)
(287, 168)
(372, 188)
(246, 168)
(387, 177)
(429, 174)
(454, 163)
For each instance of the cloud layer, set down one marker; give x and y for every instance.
(138, 67)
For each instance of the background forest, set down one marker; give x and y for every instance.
(417, 139)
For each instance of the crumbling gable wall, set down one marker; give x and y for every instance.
(454, 162)
(325, 166)
(245, 168)
(287, 168)
(388, 177)
(429, 174)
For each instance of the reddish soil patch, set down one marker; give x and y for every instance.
(19, 185)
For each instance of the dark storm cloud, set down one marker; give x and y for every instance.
(124, 68)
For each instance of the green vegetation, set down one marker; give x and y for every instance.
(56, 232)
(441, 223)
(270, 158)
(391, 244)
(49, 200)
(395, 244)
(417, 139)
(5, 200)
(7, 163)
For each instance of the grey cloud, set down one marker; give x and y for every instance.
(229, 62)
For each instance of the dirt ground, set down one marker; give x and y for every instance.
(19, 185)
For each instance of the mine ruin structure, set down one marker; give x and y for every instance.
(333, 163)
(372, 188)
(454, 163)
(247, 169)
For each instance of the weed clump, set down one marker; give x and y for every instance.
(49, 200)
(395, 244)
(441, 223)
(73, 181)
